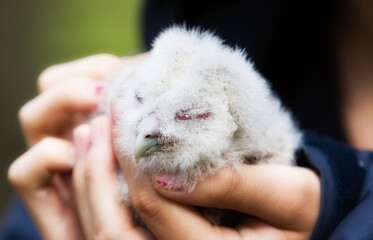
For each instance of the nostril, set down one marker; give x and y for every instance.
(149, 127)
(152, 135)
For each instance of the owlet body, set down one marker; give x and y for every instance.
(195, 105)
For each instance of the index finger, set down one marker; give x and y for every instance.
(275, 193)
(97, 67)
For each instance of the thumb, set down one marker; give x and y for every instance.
(274, 193)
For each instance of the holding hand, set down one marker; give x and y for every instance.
(69, 92)
(42, 176)
(283, 202)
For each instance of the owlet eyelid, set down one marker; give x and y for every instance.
(186, 116)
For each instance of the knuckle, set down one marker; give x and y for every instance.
(145, 205)
(46, 147)
(18, 175)
(65, 92)
(107, 62)
(72, 92)
(15, 176)
(24, 115)
(66, 96)
(45, 76)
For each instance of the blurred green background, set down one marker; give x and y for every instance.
(36, 34)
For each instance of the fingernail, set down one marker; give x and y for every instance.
(172, 183)
(98, 89)
(163, 182)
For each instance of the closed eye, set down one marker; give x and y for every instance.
(186, 116)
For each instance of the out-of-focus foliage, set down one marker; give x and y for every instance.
(72, 29)
(36, 34)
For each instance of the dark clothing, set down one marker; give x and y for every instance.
(17, 225)
(346, 188)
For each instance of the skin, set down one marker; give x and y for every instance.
(354, 59)
(67, 179)
(42, 175)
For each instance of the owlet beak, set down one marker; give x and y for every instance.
(147, 139)
(144, 146)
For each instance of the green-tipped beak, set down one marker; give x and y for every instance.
(144, 147)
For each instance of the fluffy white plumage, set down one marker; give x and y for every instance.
(206, 107)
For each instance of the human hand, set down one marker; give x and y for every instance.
(282, 201)
(69, 92)
(41, 176)
(98, 193)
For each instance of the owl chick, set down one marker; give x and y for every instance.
(195, 105)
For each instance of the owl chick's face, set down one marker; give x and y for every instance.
(173, 118)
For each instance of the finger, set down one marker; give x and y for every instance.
(53, 111)
(111, 218)
(35, 169)
(101, 171)
(134, 60)
(81, 145)
(275, 193)
(170, 220)
(98, 67)
(167, 219)
(256, 229)
(33, 175)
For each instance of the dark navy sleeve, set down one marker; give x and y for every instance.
(359, 222)
(17, 225)
(346, 188)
